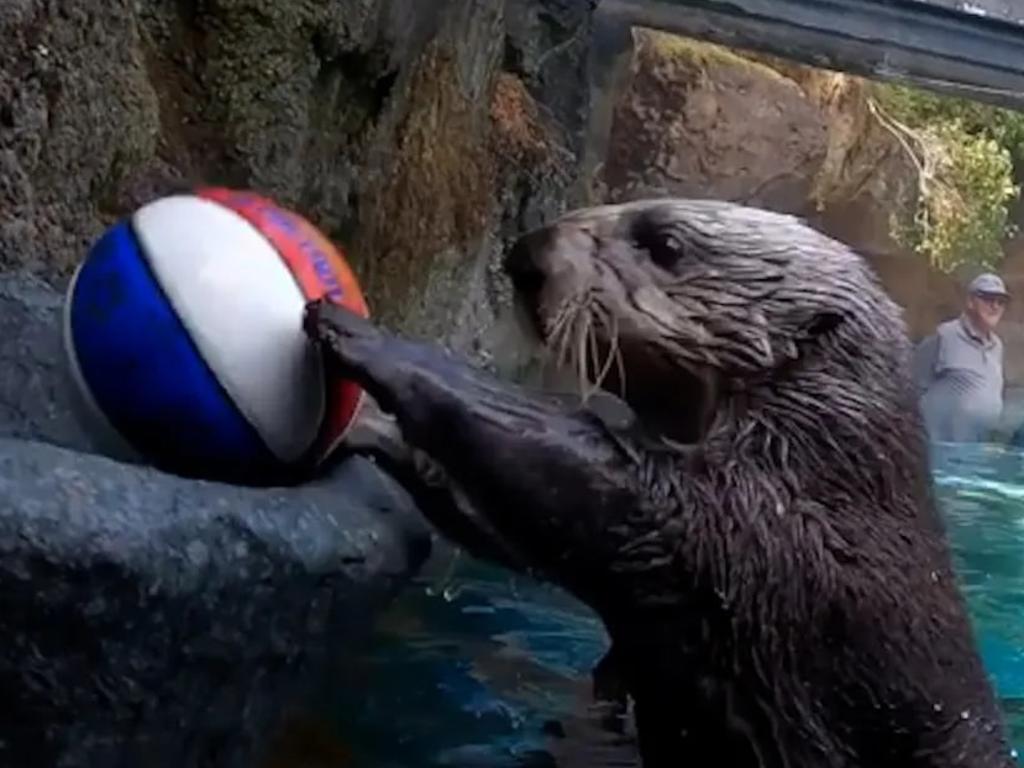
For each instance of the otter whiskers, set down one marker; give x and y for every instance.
(560, 333)
(574, 341)
(610, 323)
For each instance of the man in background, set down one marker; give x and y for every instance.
(958, 370)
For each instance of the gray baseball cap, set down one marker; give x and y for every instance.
(989, 285)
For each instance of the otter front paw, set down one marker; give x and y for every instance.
(355, 348)
(350, 340)
(385, 365)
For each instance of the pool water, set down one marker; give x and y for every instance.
(475, 668)
(981, 492)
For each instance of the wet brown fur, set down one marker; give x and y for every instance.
(763, 546)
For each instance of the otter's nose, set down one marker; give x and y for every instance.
(528, 261)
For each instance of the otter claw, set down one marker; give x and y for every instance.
(337, 328)
(354, 347)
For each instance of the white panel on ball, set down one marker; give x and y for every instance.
(243, 309)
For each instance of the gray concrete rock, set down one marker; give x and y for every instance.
(37, 400)
(149, 620)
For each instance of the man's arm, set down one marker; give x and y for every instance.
(922, 364)
(1002, 369)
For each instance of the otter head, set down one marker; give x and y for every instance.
(686, 307)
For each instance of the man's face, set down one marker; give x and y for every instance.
(986, 309)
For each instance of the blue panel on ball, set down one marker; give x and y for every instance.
(145, 373)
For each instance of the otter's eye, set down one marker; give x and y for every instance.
(663, 246)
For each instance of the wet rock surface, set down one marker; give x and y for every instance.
(152, 620)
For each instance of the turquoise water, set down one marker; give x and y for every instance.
(477, 669)
(981, 490)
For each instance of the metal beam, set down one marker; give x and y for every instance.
(968, 52)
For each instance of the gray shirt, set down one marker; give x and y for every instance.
(959, 375)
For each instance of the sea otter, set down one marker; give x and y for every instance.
(762, 543)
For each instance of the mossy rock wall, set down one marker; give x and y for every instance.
(375, 118)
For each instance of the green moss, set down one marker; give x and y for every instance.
(433, 200)
(701, 55)
(275, 81)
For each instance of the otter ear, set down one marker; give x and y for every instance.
(822, 323)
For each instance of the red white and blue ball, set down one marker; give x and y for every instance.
(183, 327)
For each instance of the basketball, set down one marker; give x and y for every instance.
(183, 330)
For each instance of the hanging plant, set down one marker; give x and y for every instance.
(964, 155)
